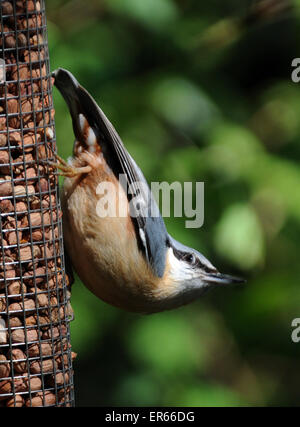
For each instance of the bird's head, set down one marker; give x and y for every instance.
(191, 274)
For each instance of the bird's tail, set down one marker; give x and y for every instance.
(89, 122)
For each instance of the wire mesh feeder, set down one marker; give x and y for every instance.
(35, 351)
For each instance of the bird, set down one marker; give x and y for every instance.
(128, 261)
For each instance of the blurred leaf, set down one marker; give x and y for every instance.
(91, 318)
(233, 150)
(209, 395)
(183, 104)
(152, 13)
(165, 343)
(138, 390)
(239, 237)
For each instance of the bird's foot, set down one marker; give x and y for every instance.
(67, 170)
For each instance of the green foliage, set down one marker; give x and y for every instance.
(154, 14)
(199, 91)
(232, 237)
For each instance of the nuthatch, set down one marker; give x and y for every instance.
(129, 261)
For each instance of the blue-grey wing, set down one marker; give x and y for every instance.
(152, 227)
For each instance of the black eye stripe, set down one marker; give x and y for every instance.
(205, 268)
(184, 256)
(197, 264)
(194, 261)
(189, 258)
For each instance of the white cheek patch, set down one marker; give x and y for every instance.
(179, 270)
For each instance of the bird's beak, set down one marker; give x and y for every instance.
(222, 279)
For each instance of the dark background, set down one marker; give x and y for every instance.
(198, 91)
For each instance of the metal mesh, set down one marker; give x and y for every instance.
(35, 351)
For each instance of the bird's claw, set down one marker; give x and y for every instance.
(68, 171)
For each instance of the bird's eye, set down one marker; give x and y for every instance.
(191, 259)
